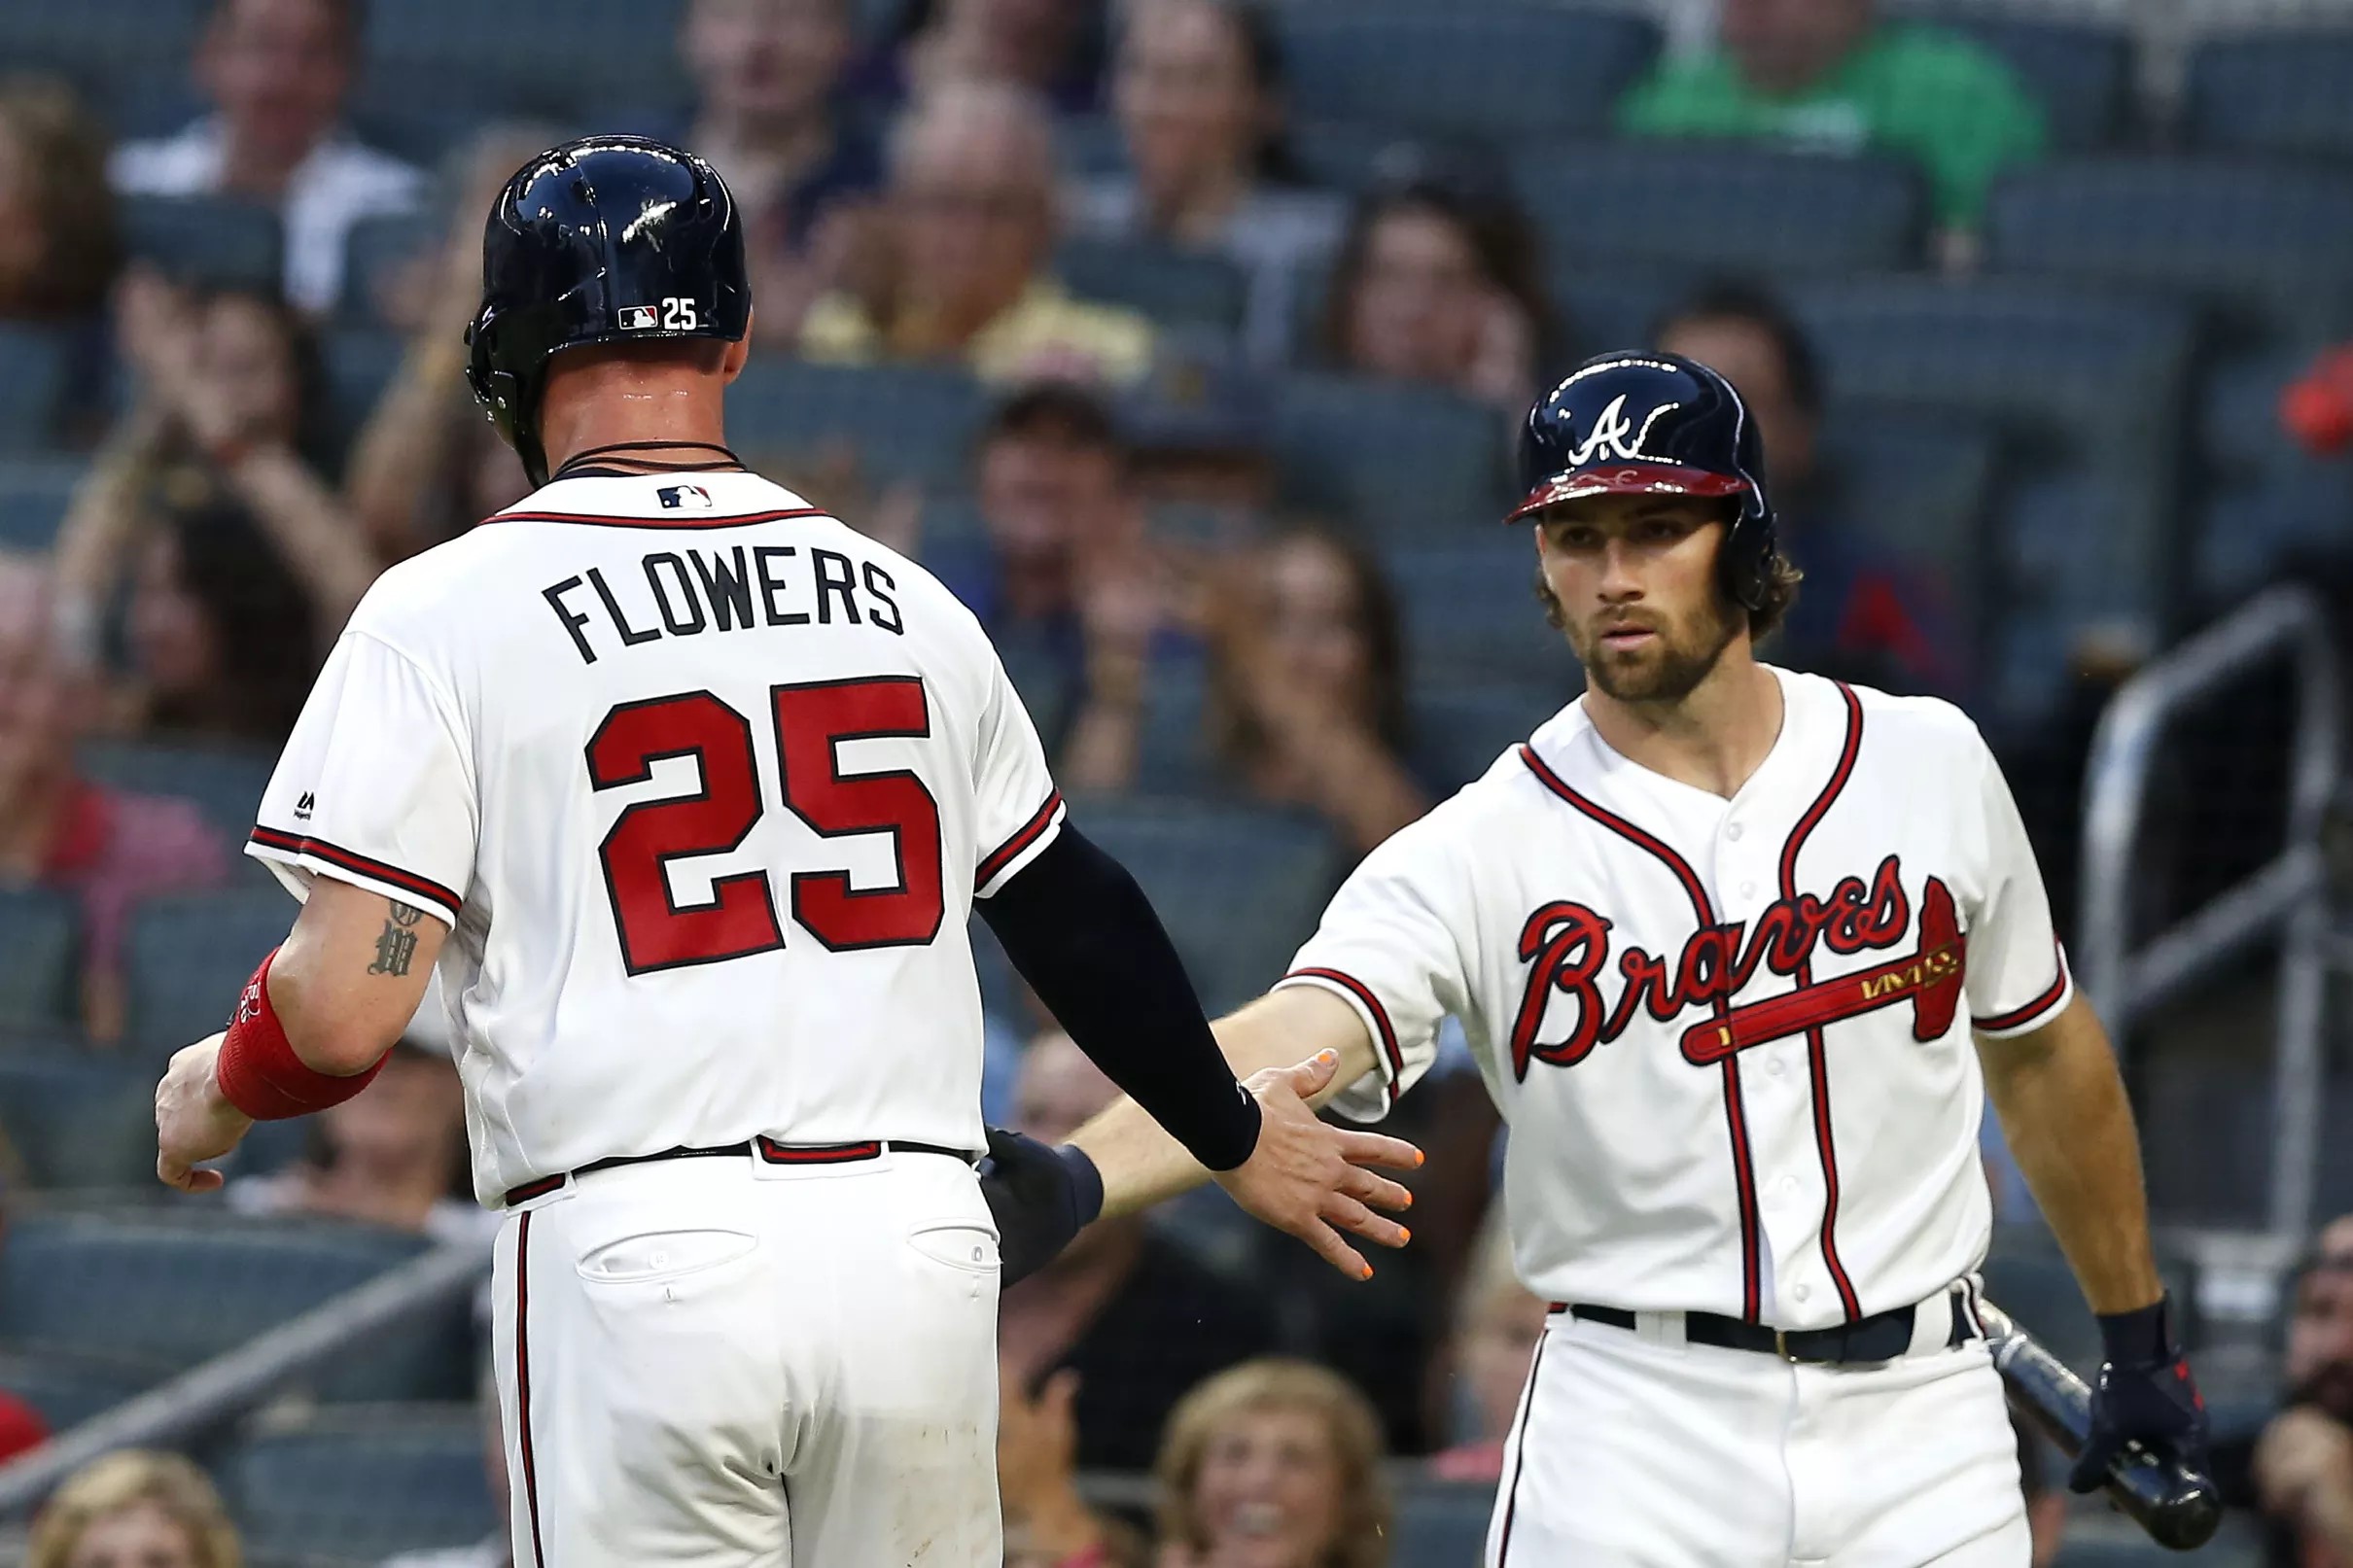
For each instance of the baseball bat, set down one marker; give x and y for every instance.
(2177, 1505)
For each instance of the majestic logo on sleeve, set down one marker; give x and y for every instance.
(1568, 947)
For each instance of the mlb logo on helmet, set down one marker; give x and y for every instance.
(692, 496)
(637, 318)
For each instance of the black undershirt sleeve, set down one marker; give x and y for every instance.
(1084, 936)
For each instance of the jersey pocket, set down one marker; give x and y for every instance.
(958, 1243)
(664, 1255)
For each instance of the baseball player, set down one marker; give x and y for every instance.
(688, 789)
(1741, 953)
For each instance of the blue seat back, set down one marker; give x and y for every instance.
(40, 953)
(188, 955)
(363, 1482)
(1719, 206)
(1491, 72)
(77, 1117)
(2272, 91)
(207, 240)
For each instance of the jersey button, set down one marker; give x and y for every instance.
(1733, 832)
(1802, 1292)
(1747, 889)
(1774, 1066)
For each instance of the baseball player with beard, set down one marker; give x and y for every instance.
(1742, 953)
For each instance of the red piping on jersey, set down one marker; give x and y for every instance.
(522, 1380)
(432, 893)
(1389, 1053)
(1527, 1418)
(601, 520)
(815, 1154)
(1744, 1173)
(1006, 853)
(1816, 1058)
(2019, 1015)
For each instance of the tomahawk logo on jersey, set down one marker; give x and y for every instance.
(633, 729)
(1732, 1037)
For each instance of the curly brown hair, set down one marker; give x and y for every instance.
(64, 157)
(1350, 1425)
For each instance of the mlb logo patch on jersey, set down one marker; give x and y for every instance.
(692, 497)
(637, 318)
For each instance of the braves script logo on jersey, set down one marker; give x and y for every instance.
(1568, 947)
(1610, 433)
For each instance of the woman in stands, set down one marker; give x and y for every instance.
(1441, 286)
(1270, 1463)
(134, 1509)
(208, 497)
(1307, 689)
(1197, 87)
(58, 254)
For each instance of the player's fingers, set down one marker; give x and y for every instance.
(1347, 1214)
(1309, 1077)
(205, 1181)
(1378, 1191)
(1378, 1149)
(1327, 1245)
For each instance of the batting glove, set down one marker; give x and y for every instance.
(2144, 1395)
(1040, 1197)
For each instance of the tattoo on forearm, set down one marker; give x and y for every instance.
(397, 947)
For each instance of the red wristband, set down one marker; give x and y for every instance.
(258, 1070)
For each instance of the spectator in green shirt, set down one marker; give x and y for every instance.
(1831, 76)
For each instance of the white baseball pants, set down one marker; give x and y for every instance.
(1635, 1450)
(722, 1362)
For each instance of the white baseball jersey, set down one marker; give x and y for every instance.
(705, 782)
(1732, 1037)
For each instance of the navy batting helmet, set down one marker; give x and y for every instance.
(1653, 424)
(608, 239)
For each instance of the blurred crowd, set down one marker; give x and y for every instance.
(1119, 528)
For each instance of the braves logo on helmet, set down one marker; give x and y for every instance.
(1610, 433)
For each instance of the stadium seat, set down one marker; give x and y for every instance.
(360, 1482)
(1178, 289)
(40, 937)
(189, 954)
(1442, 1526)
(1606, 307)
(68, 1389)
(532, 58)
(225, 783)
(2272, 91)
(206, 240)
(2079, 387)
(1394, 461)
(183, 1286)
(1458, 728)
(901, 421)
(1489, 72)
(1716, 205)
(1921, 487)
(1086, 145)
(2267, 249)
(1238, 887)
(33, 367)
(34, 495)
(1470, 608)
(90, 37)
(2080, 73)
(79, 1118)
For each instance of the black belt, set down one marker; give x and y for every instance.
(768, 1149)
(1881, 1337)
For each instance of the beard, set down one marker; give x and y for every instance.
(1668, 669)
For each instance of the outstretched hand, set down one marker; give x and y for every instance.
(1315, 1180)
